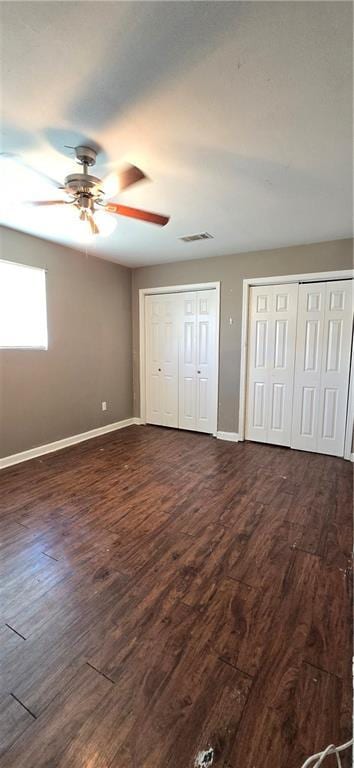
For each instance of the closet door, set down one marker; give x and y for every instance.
(197, 379)
(187, 365)
(206, 362)
(162, 327)
(335, 367)
(310, 333)
(271, 356)
(322, 366)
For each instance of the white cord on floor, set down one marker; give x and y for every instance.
(321, 756)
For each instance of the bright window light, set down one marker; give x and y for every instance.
(23, 307)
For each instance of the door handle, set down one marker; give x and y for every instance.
(159, 369)
(198, 371)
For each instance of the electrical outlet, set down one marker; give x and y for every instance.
(104, 405)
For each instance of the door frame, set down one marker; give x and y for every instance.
(310, 277)
(142, 337)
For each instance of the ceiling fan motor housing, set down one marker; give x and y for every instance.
(83, 186)
(81, 183)
(85, 155)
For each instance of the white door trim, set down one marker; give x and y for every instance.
(344, 274)
(349, 427)
(175, 289)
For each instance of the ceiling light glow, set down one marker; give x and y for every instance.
(105, 222)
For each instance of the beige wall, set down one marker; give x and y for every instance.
(45, 396)
(231, 270)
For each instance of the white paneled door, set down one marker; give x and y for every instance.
(271, 356)
(299, 349)
(161, 344)
(322, 366)
(197, 368)
(181, 362)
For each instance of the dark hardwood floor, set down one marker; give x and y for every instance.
(164, 593)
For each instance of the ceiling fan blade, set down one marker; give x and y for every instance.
(48, 202)
(129, 176)
(92, 223)
(136, 213)
(116, 181)
(17, 159)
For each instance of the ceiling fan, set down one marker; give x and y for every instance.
(89, 194)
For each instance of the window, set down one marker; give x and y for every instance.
(23, 307)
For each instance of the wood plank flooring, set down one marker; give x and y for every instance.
(164, 593)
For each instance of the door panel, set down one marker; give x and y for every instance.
(188, 399)
(280, 347)
(258, 420)
(322, 366)
(335, 367)
(197, 354)
(308, 411)
(202, 397)
(271, 354)
(187, 355)
(261, 344)
(154, 410)
(277, 416)
(258, 354)
(335, 334)
(330, 402)
(203, 341)
(161, 314)
(189, 343)
(206, 362)
(312, 336)
(181, 360)
(310, 330)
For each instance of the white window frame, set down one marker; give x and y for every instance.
(42, 348)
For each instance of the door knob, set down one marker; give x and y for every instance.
(198, 371)
(159, 369)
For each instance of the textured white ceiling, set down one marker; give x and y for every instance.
(241, 114)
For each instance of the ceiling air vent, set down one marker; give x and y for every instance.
(200, 236)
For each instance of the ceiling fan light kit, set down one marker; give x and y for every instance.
(90, 195)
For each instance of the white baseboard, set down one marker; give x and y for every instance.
(351, 458)
(233, 437)
(40, 450)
